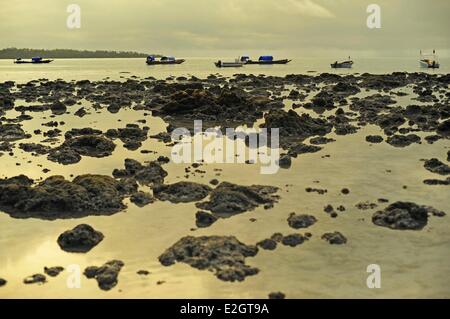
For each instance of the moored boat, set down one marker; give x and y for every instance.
(264, 60)
(151, 60)
(236, 64)
(429, 61)
(342, 65)
(34, 60)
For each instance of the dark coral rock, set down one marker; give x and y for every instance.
(212, 105)
(214, 181)
(444, 129)
(432, 138)
(64, 156)
(34, 148)
(436, 166)
(12, 132)
(35, 279)
(80, 112)
(53, 271)
(366, 205)
(404, 215)
(295, 148)
(86, 142)
(301, 221)
(106, 275)
(374, 138)
(6, 147)
(58, 108)
(345, 128)
(141, 199)
(293, 240)
(181, 192)
(90, 145)
(149, 174)
(229, 199)
(74, 132)
(204, 219)
(321, 140)
(277, 295)
(225, 256)
(403, 140)
(328, 209)
(346, 89)
(316, 190)
(56, 197)
(292, 124)
(437, 181)
(132, 136)
(81, 239)
(267, 244)
(335, 238)
(285, 161)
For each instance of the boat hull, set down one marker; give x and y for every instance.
(342, 65)
(228, 64)
(33, 62)
(165, 62)
(428, 65)
(284, 61)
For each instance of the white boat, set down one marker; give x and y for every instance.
(342, 65)
(429, 61)
(236, 64)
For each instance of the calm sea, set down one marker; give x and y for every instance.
(97, 69)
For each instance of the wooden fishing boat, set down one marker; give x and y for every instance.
(342, 65)
(35, 60)
(235, 64)
(264, 60)
(165, 60)
(429, 61)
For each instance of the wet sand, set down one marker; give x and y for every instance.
(414, 263)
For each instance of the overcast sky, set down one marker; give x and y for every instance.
(212, 27)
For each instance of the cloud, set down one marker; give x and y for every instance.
(307, 7)
(212, 27)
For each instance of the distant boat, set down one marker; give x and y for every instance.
(342, 65)
(151, 60)
(264, 60)
(236, 64)
(34, 60)
(429, 61)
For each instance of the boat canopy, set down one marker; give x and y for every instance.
(36, 59)
(168, 58)
(428, 56)
(266, 58)
(150, 58)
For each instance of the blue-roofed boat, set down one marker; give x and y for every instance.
(34, 60)
(165, 60)
(264, 59)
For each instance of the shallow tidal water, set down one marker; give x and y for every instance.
(413, 263)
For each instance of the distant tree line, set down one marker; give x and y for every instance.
(13, 53)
